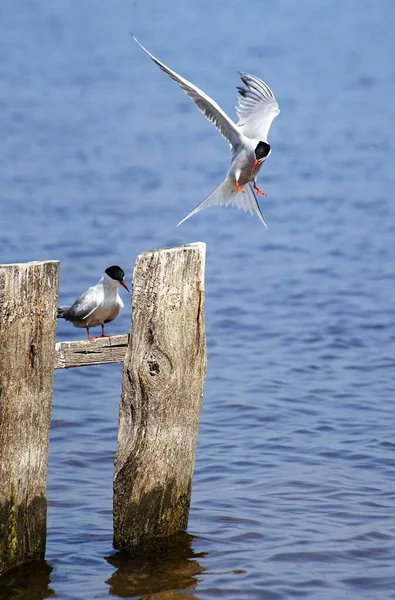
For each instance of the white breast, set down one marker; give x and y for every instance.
(109, 308)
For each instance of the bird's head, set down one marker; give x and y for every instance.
(117, 274)
(262, 151)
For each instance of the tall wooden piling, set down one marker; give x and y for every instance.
(164, 372)
(28, 301)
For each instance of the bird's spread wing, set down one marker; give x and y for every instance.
(257, 107)
(209, 108)
(86, 304)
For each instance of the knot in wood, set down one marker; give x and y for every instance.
(32, 356)
(153, 367)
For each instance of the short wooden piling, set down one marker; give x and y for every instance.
(164, 372)
(28, 301)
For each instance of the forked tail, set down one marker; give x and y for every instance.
(227, 195)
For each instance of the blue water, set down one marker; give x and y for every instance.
(101, 155)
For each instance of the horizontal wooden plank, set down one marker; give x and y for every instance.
(99, 351)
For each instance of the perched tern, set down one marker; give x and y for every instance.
(256, 109)
(100, 303)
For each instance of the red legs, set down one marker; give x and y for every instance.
(90, 338)
(256, 188)
(103, 335)
(259, 191)
(102, 331)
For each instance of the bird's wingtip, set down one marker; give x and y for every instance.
(136, 40)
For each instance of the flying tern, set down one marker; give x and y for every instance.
(99, 304)
(256, 109)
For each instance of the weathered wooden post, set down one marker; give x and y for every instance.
(164, 372)
(28, 301)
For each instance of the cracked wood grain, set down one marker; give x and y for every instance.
(28, 303)
(164, 373)
(83, 353)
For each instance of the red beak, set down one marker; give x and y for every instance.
(256, 163)
(123, 284)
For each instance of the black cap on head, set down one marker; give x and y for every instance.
(262, 150)
(115, 272)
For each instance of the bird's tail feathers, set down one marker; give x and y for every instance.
(62, 310)
(227, 195)
(248, 202)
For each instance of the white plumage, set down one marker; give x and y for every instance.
(99, 304)
(256, 109)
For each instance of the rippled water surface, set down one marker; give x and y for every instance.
(101, 155)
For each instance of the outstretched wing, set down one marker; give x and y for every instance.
(257, 107)
(205, 104)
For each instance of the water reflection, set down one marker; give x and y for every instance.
(169, 570)
(28, 582)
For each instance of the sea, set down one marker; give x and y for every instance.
(101, 155)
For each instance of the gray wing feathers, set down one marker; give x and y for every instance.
(257, 107)
(85, 305)
(205, 104)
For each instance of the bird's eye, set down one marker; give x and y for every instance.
(262, 150)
